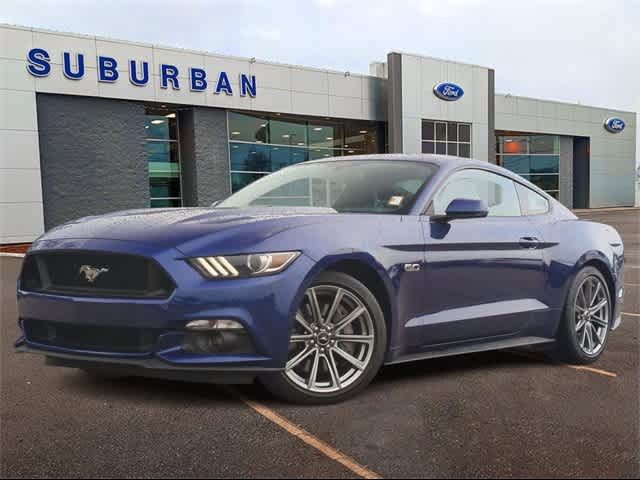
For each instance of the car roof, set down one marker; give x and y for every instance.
(440, 160)
(446, 164)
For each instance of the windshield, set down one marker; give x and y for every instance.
(380, 186)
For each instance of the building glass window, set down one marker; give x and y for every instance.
(534, 157)
(163, 157)
(260, 144)
(446, 138)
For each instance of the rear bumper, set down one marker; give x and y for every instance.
(149, 367)
(617, 322)
(619, 292)
(617, 307)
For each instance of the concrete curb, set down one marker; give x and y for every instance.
(606, 209)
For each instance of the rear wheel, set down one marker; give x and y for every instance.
(586, 323)
(337, 343)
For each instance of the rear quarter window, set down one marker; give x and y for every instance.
(532, 203)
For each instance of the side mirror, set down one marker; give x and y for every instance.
(464, 208)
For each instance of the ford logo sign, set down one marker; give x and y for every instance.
(614, 125)
(448, 91)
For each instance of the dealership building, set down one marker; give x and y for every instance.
(90, 125)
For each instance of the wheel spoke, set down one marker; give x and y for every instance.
(301, 338)
(599, 321)
(349, 318)
(589, 337)
(595, 335)
(584, 300)
(311, 382)
(580, 325)
(334, 306)
(295, 361)
(594, 297)
(600, 333)
(315, 306)
(599, 306)
(333, 370)
(583, 340)
(588, 294)
(349, 358)
(301, 320)
(367, 339)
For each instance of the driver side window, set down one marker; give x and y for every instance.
(498, 192)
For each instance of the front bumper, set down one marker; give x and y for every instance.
(264, 306)
(149, 367)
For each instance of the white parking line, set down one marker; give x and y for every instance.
(542, 358)
(12, 255)
(604, 210)
(593, 370)
(306, 437)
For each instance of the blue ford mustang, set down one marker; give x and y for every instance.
(313, 277)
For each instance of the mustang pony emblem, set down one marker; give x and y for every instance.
(91, 273)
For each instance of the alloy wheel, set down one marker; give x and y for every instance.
(592, 315)
(332, 340)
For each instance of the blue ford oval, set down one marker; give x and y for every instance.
(448, 91)
(312, 278)
(615, 125)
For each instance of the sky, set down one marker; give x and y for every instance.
(583, 51)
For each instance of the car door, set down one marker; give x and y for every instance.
(483, 277)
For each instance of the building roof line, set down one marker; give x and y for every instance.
(205, 53)
(440, 59)
(572, 104)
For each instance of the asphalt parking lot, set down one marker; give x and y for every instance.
(505, 414)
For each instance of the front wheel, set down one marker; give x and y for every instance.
(586, 323)
(337, 343)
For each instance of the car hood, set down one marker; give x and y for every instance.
(177, 227)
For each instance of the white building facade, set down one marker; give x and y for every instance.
(90, 125)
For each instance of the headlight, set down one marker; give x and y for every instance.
(253, 265)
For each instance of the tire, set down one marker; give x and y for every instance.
(571, 339)
(319, 348)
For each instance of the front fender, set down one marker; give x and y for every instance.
(364, 258)
(611, 266)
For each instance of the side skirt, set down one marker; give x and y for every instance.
(474, 348)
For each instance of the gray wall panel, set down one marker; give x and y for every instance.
(394, 99)
(492, 116)
(92, 155)
(188, 169)
(566, 171)
(612, 157)
(210, 156)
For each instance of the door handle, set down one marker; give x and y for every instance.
(529, 242)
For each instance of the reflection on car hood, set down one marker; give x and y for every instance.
(176, 226)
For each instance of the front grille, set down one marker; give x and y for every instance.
(91, 338)
(95, 274)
